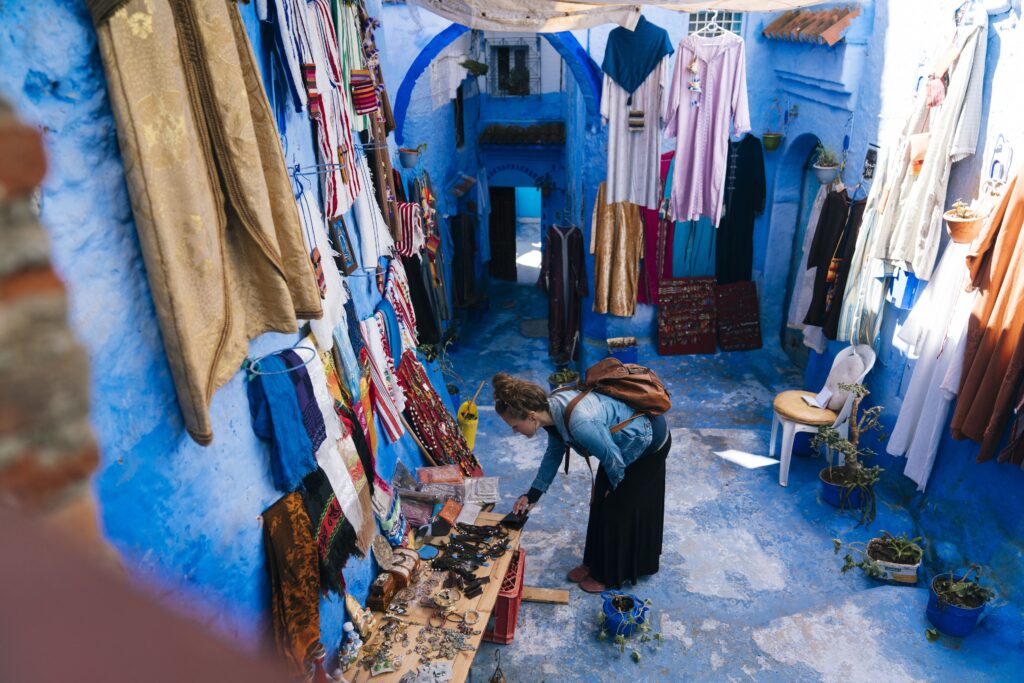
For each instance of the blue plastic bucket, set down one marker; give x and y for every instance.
(833, 494)
(619, 623)
(950, 619)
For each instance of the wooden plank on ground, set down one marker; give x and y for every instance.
(550, 596)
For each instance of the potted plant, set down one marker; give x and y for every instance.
(773, 138)
(410, 156)
(474, 67)
(621, 615)
(563, 377)
(963, 223)
(956, 600)
(885, 557)
(826, 164)
(852, 484)
(623, 348)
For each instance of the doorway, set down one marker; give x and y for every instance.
(515, 233)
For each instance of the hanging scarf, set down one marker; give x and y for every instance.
(333, 533)
(302, 387)
(276, 418)
(630, 56)
(291, 560)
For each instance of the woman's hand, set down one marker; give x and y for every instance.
(521, 505)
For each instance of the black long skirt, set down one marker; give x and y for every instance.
(625, 530)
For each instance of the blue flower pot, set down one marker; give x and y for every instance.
(619, 623)
(833, 494)
(950, 619)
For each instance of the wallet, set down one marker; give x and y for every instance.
(514, 521)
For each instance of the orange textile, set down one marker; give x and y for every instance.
(994, 351)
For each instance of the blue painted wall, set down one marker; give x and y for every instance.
(527, 202)
(184, 517)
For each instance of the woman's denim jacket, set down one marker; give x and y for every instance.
(590, 423)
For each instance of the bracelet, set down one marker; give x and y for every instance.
(455, 617)
(476, 617)
(437, 614)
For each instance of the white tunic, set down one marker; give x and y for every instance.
(935, 331)
(634, 159)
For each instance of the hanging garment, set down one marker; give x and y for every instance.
(917, 229)
(934, 331)
(803, 286)
(616, 241)
(913, 203)
(328, 278)
(428, 323)
(277, 419)
(631, 56)
(413, 239)
(700, 110)
(834, 242)
(563, 277)
(692, 245)
(333, 535)
(212, 201)
(327, 452)
(375, 241)
(292, 569)
(744, 199)
(655, 264)
(397, 293)
(388, 399)
(635, 64)
(350, 52)
(994, 351)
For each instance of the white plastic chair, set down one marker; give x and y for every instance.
(800, 417)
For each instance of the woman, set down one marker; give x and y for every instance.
(627, 506)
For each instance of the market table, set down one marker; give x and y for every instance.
(418, 617)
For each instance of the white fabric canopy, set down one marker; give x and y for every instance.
(549, 16)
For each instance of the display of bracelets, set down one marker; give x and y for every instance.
(379, 657)
(439, 642)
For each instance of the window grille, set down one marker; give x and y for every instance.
(514, 67)
(730, 21)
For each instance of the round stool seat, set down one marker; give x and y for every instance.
(791, 406)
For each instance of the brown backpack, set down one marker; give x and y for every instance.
(636, 386)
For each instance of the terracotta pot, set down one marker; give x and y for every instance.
(771, 141)
(408, 157)
(962, 230)
(826, 174)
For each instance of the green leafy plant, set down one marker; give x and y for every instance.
(826, 157)
(474, 67)
(853, 475)
(653, 640)
(888, 548)
(783, 113)
(965, 591)
(564, 376)
(615, 343)
(963, 210)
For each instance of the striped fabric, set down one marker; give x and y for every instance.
(397, 293)
(364, 93)
(411, 238)
(388, 398)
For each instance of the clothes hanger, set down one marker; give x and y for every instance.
(711, 28)
(251, 365)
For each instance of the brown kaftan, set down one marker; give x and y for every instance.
(994, 352)
(616, 241)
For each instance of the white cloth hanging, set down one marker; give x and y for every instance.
(315, 233)
(634, 157)
(935, 331)
(803, 288)
(375, 240)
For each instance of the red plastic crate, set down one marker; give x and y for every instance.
(501, 628)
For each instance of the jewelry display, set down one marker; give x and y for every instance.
(379, 657)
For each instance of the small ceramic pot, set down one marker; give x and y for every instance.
(962, 230)
(771, 141)
(409, 158)
(826, 174)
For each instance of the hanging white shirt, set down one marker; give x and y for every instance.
(634, 156)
